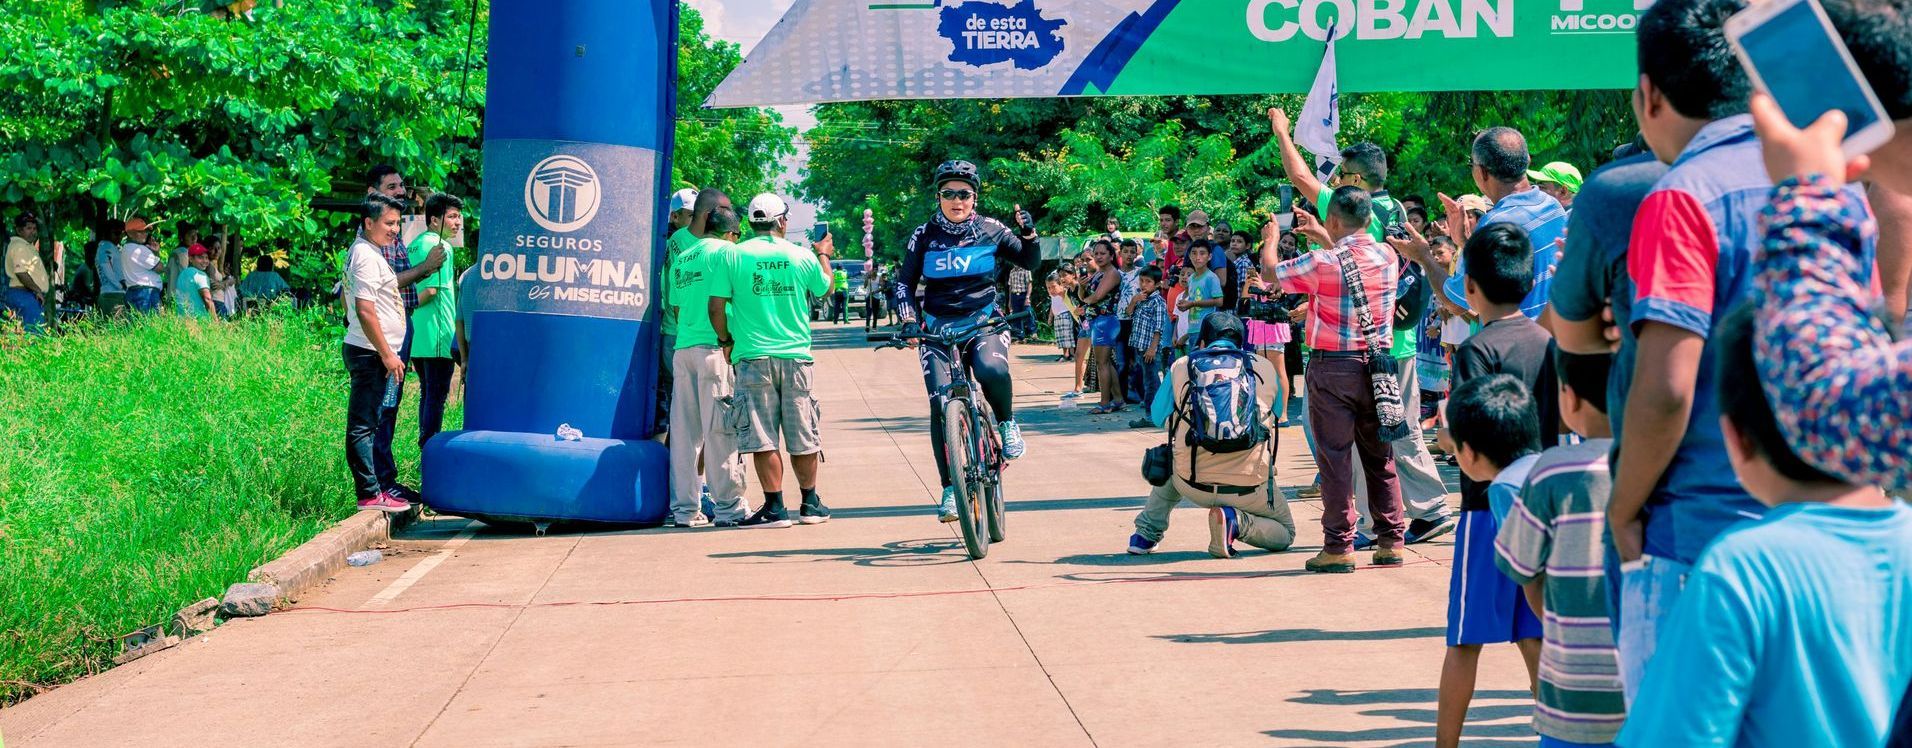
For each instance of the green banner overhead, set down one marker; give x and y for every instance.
(850, 50)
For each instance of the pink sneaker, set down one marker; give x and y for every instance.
(386, 502)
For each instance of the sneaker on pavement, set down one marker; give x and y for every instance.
(1224, 525)
(813, 513)
(1142, 423)
(1386, 556)
(406, 493)
(766, 518)
(1331, 563)
(1423, 530)
(1362, 541)
(1141, 546)
(946, 509)
(1011, 432)
(1309, 492)
(385, 501)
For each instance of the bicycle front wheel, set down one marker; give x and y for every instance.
(990, 470)
(959, 447)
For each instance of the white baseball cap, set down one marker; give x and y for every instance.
(767, 207)
(683, 200)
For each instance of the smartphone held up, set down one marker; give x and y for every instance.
(1792, 52)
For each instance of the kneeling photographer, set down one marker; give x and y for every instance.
(1219, 408)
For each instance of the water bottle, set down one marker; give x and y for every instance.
(392, 386)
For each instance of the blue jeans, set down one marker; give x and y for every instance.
(25, 306)
(143, 299)
(1148, 374)
(1649, 588)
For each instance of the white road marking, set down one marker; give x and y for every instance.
(411, 576)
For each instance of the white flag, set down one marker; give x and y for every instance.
(1321, 116)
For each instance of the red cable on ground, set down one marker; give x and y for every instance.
(819, 597)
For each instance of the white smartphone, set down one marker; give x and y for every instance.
(1791, 51)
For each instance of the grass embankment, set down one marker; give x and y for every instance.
(147, 465)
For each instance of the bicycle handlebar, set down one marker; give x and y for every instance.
(950, 339)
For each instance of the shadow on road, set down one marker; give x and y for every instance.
(1032, 505)
(1487, 724)
(1336, 697)
(831, 336)
(924, 552)
(1178, 576)
(1280, 636)
(1039, 420)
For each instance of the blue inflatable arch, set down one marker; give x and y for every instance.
(579, 117)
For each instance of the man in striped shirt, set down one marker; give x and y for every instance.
(1551, 543)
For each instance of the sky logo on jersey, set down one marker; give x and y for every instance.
(960, 262)
(986, 33)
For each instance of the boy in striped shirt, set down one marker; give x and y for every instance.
(1552, 544)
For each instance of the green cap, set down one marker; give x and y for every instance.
(1558, 172)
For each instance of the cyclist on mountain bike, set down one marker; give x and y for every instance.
(954, 257)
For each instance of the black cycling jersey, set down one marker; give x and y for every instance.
(956, 263)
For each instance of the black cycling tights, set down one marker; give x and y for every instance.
(989, 364)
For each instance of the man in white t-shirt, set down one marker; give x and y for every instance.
(139, 267)
(375, 330)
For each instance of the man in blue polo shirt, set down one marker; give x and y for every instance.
(1690, 263)
(1500, 171)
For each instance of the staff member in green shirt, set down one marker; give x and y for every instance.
(702, 381)
(435, 317)
(762, 297)
(680, 238)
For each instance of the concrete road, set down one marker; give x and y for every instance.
(873, 629)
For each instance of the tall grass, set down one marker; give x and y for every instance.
(149, 464)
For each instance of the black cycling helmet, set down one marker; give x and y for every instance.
(960, 171)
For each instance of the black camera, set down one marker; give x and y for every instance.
(1270, 309)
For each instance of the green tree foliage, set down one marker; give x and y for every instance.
(1073, 162)
(147, 108)
(156, 108)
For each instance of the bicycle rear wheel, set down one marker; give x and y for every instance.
(959, 446)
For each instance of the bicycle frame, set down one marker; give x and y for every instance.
(956, 343)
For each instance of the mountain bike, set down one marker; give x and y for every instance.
(971, 444)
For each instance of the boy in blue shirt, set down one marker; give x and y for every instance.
(1792, 629)
(1496, 428)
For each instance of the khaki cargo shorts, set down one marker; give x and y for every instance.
(772, 395)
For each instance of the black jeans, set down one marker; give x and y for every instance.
(1019, 303)
(388, 425)
(363, 412)
(434, 386)
(1129, 364)
(989, 364)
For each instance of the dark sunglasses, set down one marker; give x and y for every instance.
(957, 195)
